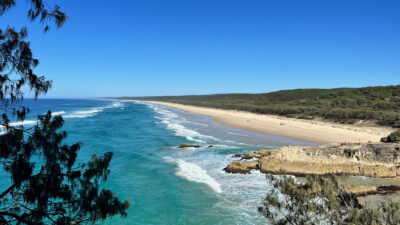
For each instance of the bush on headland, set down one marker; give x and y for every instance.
(393, 137)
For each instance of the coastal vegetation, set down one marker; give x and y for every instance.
(46, 184)
(392, 137)
(320, 200)
(380, 104)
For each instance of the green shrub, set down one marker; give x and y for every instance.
(320, 200)
(393, 137)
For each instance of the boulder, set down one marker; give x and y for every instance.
(188, 146)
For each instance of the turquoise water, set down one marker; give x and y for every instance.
(166, 185)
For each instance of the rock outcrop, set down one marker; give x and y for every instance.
(188, 146)
(241, 167)
(361, 191)
(371, 159)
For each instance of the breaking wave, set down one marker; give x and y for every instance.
(91, 112)
(193, 172)
(22, 123)
(172, 122)
(57, 113)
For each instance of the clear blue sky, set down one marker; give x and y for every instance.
(140, 48)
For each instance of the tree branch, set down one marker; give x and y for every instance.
(20, 219)
(7, 191)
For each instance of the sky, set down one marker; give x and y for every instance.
(182, 47)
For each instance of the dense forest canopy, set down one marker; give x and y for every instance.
(346, 105)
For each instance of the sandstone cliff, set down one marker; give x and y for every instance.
(370, 159)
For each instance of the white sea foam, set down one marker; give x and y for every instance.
(26, 122)
(84, 113)
(200, 124)
(91, 112)
(225, 146)
(77, 114)
(182, 131)
(22, 123)
(240, 192)
(173, 122)
(57, 113)
(234, 133)
(193, 172)
(17, 123)
(236, 143)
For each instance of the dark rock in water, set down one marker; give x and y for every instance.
(188, 146)
(210, 146)
(237, 155)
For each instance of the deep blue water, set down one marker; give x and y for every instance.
(166, 185)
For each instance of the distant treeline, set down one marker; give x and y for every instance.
(345, 105)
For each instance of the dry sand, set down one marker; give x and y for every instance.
(307, 130)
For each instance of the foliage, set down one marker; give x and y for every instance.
(386, 212)
(47, 186)
(320, 200)
(393, 137)
(345, 105)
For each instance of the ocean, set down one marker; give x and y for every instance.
(165, 185)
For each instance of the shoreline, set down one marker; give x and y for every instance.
(319, 132)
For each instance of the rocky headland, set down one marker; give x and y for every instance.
(378, 160)
(370, 159)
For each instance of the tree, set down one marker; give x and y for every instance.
(47, 185)
(320, 200)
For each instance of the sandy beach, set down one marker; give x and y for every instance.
(320, 132)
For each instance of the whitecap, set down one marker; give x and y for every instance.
(193, 172)
(225, 146)
(17, 123)
(22, 123)
(84, 113)
(57, 113)
(182, 131)
(91, 112)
